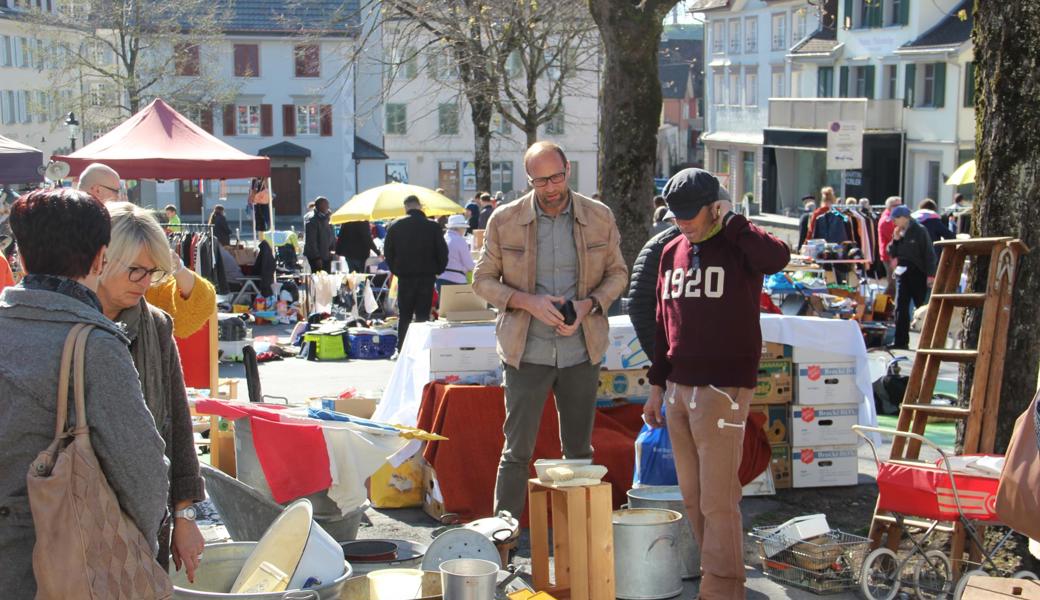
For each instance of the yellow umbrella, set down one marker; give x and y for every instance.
(964, 174)
(387, 202)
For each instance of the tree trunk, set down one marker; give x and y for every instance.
(1006, 40)
(630, 109)
(480, 112)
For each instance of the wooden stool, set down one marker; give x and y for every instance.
(583, 540)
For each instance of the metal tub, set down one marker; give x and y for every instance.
(669, 497)
(646, 557)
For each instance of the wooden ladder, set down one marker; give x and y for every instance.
(980, 415)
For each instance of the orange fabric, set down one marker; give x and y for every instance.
(472, 417)
(6, 276)
(195, 358)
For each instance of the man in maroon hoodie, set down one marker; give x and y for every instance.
(705, 364)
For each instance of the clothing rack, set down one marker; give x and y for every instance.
(196, 228)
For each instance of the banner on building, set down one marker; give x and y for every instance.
(844, 145)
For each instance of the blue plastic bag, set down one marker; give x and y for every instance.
(655, 463)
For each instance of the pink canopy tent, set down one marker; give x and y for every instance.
(160, 143)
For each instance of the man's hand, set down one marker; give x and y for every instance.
(652, 408)
(543, 308)
(897, 233)
(187, 546)
(582, 308)
(721, 207)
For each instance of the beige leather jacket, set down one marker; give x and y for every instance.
(508, 264)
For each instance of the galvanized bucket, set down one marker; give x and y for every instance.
(669, 497)
(646, 557)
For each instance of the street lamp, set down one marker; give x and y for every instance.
(73, 125)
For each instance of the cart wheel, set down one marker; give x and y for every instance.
(879, 579)
(932, 575)
(963, 583)
(1025, 575)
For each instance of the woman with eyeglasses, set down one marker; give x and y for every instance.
(138, 258)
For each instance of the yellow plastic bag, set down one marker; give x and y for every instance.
(397, 488)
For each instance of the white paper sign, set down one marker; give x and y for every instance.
(844, 145)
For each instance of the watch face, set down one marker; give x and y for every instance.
(188, 513)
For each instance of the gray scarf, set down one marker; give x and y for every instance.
(147, 354)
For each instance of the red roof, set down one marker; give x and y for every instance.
(160, 143)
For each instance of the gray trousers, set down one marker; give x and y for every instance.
(526, 391)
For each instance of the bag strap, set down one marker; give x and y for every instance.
(63, 380)
(79, 380)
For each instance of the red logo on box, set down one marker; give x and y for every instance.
(808, 414)
(808, 456)
(815, 372)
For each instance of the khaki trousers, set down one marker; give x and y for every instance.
(707, 432)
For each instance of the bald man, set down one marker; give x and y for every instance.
(550, 247)
(100, 181)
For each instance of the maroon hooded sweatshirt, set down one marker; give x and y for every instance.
(708, 306)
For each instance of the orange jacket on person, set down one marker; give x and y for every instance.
(6, 276)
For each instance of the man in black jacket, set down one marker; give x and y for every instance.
(318, 240)
(416, 252)
(911, 246)
(642, 289)
(355, 244)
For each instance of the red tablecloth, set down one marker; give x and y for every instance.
(472, 417)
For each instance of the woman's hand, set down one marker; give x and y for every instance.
(187, 546)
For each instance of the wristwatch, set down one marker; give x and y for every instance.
(187, 512)
(596, 308)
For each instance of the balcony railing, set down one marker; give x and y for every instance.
(817, 113)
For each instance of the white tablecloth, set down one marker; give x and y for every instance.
(403, 394)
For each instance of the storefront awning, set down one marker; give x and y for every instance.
(733, 137)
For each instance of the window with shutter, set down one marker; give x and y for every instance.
(326, 120)
(229, 119)
(308, 119)
(288, 120)
(843, 83)
(868, 76)
(940, 86)
(266, 120)
(308, 60)
(247, 60)
(206, 119)
(910, 85)
(186, 60)
(247, 118)
(825, 82)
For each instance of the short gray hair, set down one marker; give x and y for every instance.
(134, 228)
(893, 201)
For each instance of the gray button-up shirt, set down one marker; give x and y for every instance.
(557, 275)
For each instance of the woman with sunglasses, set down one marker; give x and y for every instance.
(138, 258)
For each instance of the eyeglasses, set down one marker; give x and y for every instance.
(542, 181)
(136, 274)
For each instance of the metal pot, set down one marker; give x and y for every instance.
(222, 563)
(670, 498)
(646, 560)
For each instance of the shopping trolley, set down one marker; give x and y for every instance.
(933, 493)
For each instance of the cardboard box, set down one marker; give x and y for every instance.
(631, 385)
(826, 383)
(623, 348)
(824, 466)
(357, 406)
(780, 465)
(775, 384)
(761, 486)
(433, 501)
(457, 360)
(777, 424)
(823, 425)
(802, 354)
(776, 351)
(461, 303)
(493, 377)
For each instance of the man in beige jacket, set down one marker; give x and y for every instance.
(550, 246)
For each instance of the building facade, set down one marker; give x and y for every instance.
(679, 57)
(902, 68)
(429, 132)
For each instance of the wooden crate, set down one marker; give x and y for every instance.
(582, 540)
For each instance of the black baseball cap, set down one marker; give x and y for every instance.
(690, 190)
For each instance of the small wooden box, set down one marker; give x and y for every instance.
(583, 540)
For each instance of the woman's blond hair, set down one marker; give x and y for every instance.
(134, 227)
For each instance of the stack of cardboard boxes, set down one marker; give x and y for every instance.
(826, 406)
(772, 398)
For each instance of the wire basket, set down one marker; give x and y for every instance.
(825, 564)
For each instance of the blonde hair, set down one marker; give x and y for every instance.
(133, 228)
(827, 195)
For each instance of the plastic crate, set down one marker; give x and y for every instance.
(329, 346)
(369, 344)
(826, 564)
